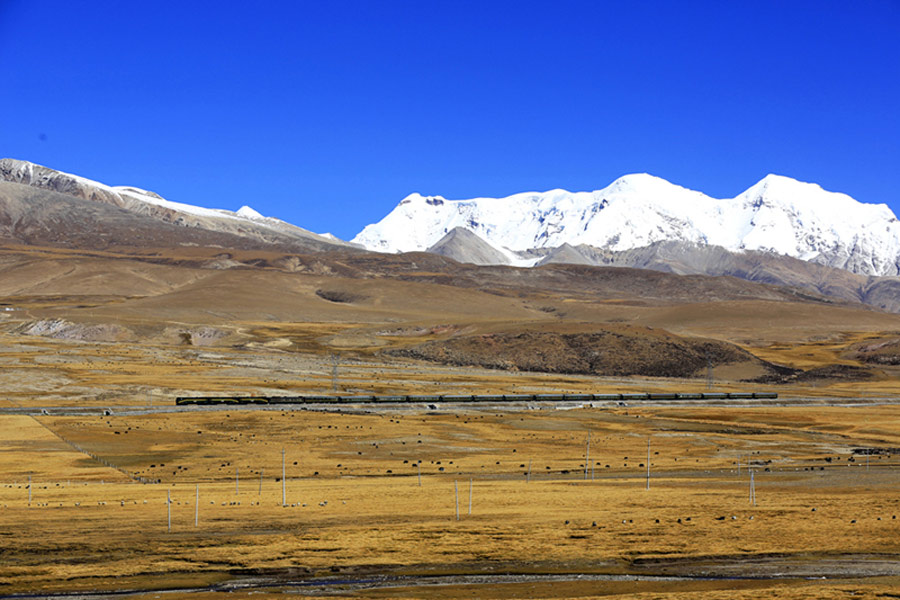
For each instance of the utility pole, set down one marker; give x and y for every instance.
(334, 373)
(587, 456)
(648, 463)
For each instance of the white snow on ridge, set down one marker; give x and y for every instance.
(151, 198)
(778, 214)
(248, 213)
(146, 202)
(134, 193)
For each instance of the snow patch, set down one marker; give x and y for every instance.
(248, 213)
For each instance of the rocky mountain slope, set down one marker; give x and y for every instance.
(466, 247)
(763, 267)
(39, 205)
(778, 215)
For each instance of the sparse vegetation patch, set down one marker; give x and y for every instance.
(613, 352)
(339, 296)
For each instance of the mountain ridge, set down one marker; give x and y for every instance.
(777, 214)
(39, 205)
(46, 190)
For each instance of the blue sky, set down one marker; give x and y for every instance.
(327, 114)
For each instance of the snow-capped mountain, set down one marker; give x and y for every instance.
(778, 215)
(244, 223)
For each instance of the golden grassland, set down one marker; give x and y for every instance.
(97, 518)
(42, 371)
(355, 506)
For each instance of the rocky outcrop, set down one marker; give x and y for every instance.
(464, 246)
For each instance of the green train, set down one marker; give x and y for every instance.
(479, 398)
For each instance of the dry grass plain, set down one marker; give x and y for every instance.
(356, 511)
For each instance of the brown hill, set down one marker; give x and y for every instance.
(608, 351)
(394, 307)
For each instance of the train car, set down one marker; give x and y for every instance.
(391, 398)
(315, 399)
(355, 399)
(635, 396)
(606, 397)
(282, 399)
(765, 395)
(255, 400)
(219, 400)
(579, 397)
(714, 396)
(549, 397)
(422, 398)
(456, 398)
(663, 396)
(695, 396)
(205, 400)
(740, 395)
(518, 397)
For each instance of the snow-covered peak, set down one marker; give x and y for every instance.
(248, 213)
(32, 174)
(785, 190)
(777, 214)
(781, 190)
(416, 198)
(640, 182)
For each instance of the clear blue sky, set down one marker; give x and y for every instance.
(327, 114)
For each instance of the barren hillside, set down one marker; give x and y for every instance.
(600, 321)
